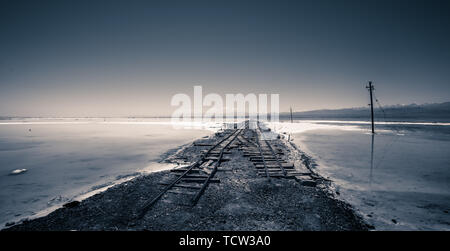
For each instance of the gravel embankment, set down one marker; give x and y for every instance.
(241, 201)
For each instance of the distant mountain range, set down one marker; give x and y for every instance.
(436, 112)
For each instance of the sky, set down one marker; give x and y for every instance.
(128, 58)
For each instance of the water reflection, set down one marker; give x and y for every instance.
(371, 161)
(412, 183)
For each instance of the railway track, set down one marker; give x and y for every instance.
(269, 160)
(194, 179)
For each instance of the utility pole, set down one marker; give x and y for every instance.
(292, 121)
(370, 87)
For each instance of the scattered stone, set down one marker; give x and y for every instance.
(309, 183)
(71, 204)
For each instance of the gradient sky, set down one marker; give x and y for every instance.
(127, 58)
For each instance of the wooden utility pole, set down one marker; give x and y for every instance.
(292, 121)
(370, 87)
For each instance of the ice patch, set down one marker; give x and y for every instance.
(304, 126)
(18, 171)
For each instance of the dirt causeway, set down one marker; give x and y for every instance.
(241, 199)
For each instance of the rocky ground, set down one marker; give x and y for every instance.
(242, 200)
